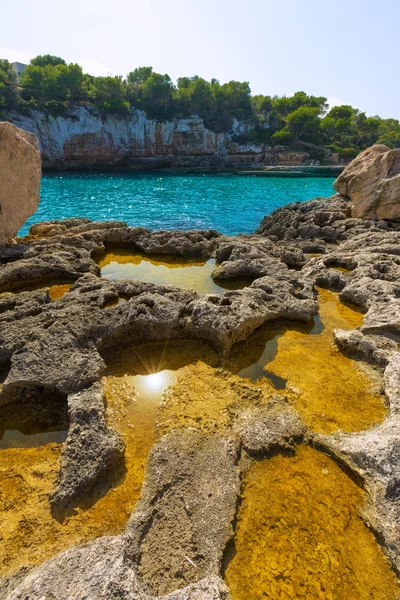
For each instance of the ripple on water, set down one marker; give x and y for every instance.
(299, 535)
(229, 203)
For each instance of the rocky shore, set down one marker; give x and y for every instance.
(175, 542)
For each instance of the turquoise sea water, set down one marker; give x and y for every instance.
(230, 203)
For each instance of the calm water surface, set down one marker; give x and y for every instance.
(230, 203)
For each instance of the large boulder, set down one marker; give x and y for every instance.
(372, 182)
(20, 172)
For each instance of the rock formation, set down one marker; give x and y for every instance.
(83, 139)
(20, 172)
(372, 183)
(174, 544)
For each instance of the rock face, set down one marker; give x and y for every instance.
(83, 139)
(372, 183)
(20, 172)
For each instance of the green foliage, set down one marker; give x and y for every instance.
(47, 59)
(8, 86)
(217, 104)
(156, 96)
(140, 75)
(282, 137)
(346, 130)
(52, 81)
(304, 122)
(53, 86)
(109, 95)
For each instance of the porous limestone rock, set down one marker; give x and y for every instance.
(185, 521)
(20, 173)
(91, 451)
(372, 183)
(184, 518)
(176, 522)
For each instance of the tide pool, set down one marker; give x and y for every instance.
(230, 203)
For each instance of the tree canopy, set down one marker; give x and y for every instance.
(53, 86)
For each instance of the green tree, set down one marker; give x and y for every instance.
(8, 86)
(72, 80)
(389, 133)
(109, 95)
(47, 59)
(140, 75)
(304, 123)
(282, 137)
(156, 96)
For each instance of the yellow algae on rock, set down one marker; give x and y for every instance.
(208, 399)
(121, 263)
(330, 391)
(58, 291)
(28, 533)
(299, 535)
(134, 384)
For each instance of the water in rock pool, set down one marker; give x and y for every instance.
(329, 390)
(141, 407)
(299, 535)
(230, 203)
(121, 263)
(134, 384)
(57, 289)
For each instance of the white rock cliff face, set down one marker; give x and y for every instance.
(84, 139)
(20, 173)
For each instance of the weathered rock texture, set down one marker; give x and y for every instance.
(83, 139)
(20, 172)
(173, 546)
(91, 450)
(372, 183)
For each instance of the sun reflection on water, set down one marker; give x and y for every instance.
(152, 386)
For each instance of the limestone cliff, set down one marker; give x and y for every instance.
(82, 139)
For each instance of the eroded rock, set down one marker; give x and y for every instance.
(177, 523)
(91, 451)
(372, 183)
(20, 173)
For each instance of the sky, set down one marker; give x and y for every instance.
(346, 50)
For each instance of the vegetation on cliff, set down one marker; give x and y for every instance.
(51, 85)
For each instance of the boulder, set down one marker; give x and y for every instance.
(20, 172)
(372, 183)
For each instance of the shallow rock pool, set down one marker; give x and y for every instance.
(123, 263)
(300, 535)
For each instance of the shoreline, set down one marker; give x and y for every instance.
(271, 171)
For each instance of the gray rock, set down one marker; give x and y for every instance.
(90, 453)
(93, 571)
(186, 521)
(177, 523)
(271, 428)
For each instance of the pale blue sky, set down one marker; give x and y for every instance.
(347, 50)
